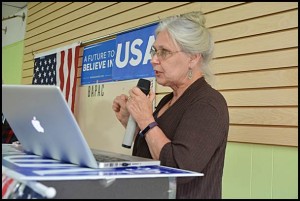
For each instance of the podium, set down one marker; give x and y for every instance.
(58, 180)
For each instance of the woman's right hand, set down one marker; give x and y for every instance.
(119, 107)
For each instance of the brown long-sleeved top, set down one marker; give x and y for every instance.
(197, 125)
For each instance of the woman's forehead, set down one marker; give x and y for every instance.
(164, 40)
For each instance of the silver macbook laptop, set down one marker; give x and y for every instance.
(44, 125)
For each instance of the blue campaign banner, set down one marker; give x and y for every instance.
(97, 62)
(133, 54)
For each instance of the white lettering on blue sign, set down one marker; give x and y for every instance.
(135, 50)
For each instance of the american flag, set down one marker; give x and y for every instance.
(58, 67)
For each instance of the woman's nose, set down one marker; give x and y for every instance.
(154, 60)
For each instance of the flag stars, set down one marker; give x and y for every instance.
(45, 68)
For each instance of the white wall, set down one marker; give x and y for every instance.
(15, 29)
(96, 118)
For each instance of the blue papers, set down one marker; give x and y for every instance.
(32, 167)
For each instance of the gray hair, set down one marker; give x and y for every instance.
(189, 32)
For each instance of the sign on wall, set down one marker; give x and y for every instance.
(133, 54)
(97, 62)
(124, 58)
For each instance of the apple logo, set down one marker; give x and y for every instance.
(36, 124)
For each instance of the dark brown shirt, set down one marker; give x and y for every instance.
(197, 125)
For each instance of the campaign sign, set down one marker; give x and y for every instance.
(133, 54)
(97, 62)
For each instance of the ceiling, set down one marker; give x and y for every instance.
(11, 8)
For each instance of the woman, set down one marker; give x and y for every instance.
(189, 128)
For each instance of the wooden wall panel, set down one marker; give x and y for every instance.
(56, 18)
(137, 22)
(287, 136)
(262, 97)
(126, 9)
(259, 43)
(32, 5)
(247, 11)
(273, 116)
(37, 9)
(45, 12)
(254, 97)
(90, 14)
(255, 26)
(258, 79)
(252, 62)
(255, 60)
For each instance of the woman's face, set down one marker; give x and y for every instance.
(169, 63)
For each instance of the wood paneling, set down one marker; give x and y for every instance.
(56, 18)
(258, 79)
(251, 62)
(275, 116)
(257, 97)
(262, 97)
(247, 11)
(260, 43)
(45, 12)
(36, 9)
(255, 59)
(287, 136)
(265, 24)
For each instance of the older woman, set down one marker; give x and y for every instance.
(189, 126)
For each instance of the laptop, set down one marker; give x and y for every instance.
(45, 125)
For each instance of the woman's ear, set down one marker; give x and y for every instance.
(195, 59)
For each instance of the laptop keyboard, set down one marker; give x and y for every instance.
(104, 158)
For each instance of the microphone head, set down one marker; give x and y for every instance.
(144, 85)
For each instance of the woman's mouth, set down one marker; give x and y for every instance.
(157, 73)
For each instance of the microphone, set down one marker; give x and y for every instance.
(144, 85)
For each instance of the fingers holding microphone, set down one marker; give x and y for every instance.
(133, 100)
(120, 109)
(119, 102)
(134, 107)
(139, 104)
(129, 98)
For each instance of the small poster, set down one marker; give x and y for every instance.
(97, 62)
(133, 57)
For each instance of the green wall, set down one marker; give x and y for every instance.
(251, 170)
(255, 171)
(12, 59)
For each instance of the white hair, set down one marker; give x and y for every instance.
(189, 32)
